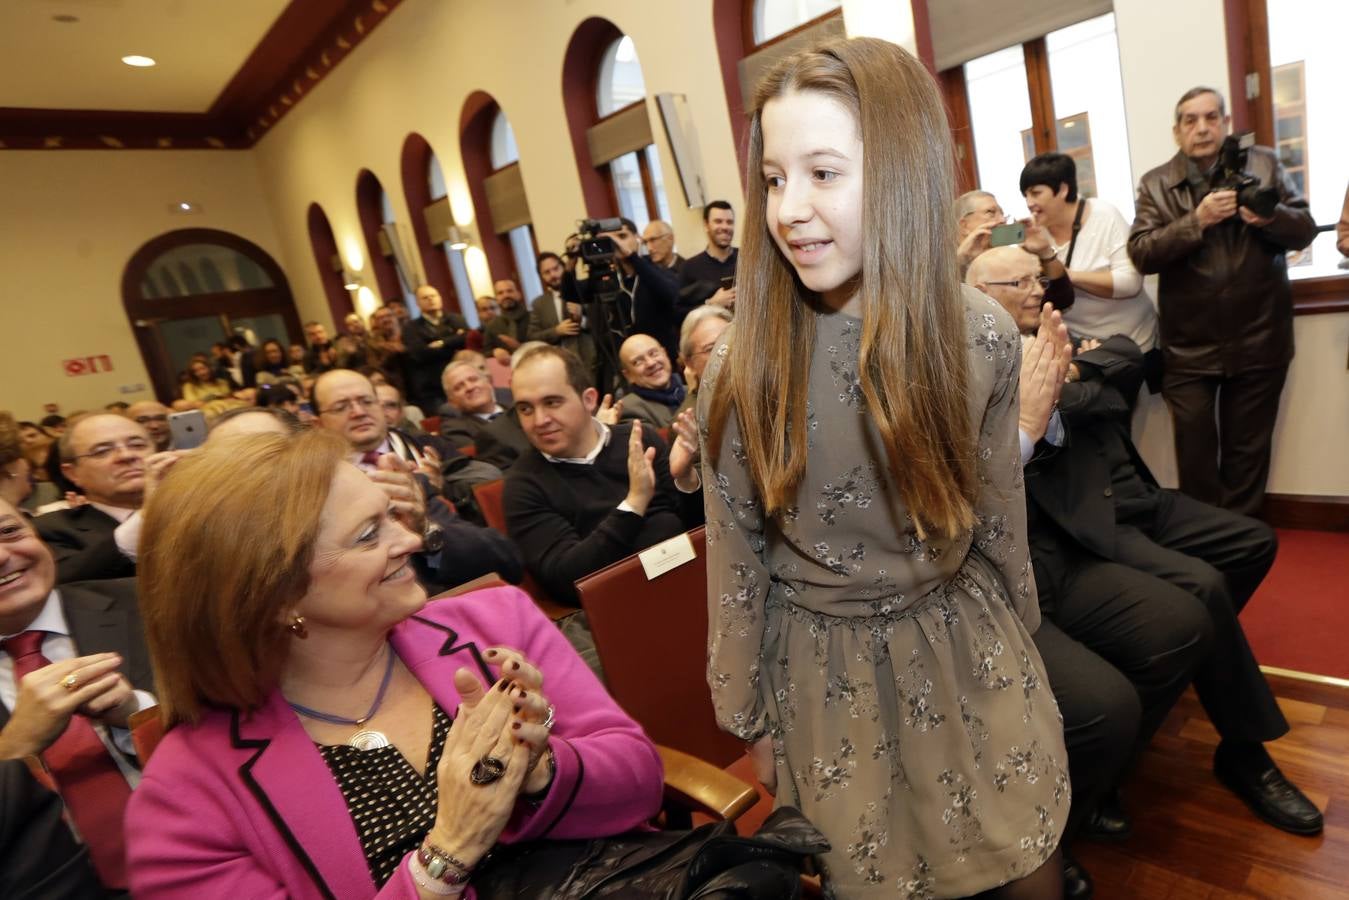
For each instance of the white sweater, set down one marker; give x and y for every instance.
(1101, 246)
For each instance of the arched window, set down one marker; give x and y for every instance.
(429, 226)
(373, 208)
(503, 153)
(329, 263)
(454, 256)
(754, 34)
(771, 19)
(175, 316)
(635, 177)
(605, 98)
(496, 185)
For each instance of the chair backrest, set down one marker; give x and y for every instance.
(147, 729)
(493, 509)
(499, 372)
(652, 640)
(431, 425)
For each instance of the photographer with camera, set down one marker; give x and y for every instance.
(624, 293)
(1214, 223)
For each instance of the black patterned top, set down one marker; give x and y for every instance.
(392, 806)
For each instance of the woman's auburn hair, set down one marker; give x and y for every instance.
(913, 365)
(226, 548)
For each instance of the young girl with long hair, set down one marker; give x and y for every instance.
(870, 593)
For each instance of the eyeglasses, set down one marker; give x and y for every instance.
(343, 407)
(1024, 283)
(146, 420)
(704, 350)
(102, 452)
(391, 405)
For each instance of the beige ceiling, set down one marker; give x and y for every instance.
(199, 45)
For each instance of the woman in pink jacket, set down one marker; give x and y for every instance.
(332, 733)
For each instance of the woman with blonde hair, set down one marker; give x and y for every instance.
(870, 592)
(204, 390)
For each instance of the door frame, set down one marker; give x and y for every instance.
(144, 314)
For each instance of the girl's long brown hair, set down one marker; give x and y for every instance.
(913, 365)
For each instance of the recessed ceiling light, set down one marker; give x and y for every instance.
(65, 18)
(140, 62)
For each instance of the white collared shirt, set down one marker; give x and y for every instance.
(57, 646)
(489, 416)
(602, 434)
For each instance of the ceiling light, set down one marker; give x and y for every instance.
(351, 280)
(456, 238)
(140, 62)
(65, 18)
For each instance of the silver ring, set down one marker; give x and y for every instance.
(549, 719)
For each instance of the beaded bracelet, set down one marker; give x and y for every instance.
(446, 876)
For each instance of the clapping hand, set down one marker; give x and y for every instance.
(48, 697)
(684, 451)
(406, 502)
(610, 411)
(641, 471)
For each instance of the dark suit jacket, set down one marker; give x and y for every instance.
(39, 858)
(424, 363)
(104, 618)
(1068, 489)
(81, 539)
(499, 442)
(542, 322)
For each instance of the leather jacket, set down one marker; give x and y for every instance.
(1223, 296)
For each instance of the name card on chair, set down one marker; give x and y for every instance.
(667, 555)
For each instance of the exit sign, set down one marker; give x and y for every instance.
(87, 365)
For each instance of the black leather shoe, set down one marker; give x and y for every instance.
(1077, 884)
(1257, 780)
(1109, 821)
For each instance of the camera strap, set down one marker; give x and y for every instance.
(1077, 226)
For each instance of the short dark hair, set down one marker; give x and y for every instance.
(630, 225)
(53, 421)
(547, 254)
(1199, 91)
(717, 204)
(1051, 170)
(578, 373)
(310, 324)
(274, 393)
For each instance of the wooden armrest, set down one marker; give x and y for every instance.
(699, 786)
(490, 580)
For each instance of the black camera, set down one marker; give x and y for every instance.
(1230, 175)
(599, 254)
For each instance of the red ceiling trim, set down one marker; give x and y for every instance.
(307, 41)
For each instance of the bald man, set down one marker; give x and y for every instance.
(659, 239)
(655, 392)
(978, 213)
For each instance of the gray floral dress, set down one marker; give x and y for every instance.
(910, 715)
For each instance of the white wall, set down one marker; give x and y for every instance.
(71, 221)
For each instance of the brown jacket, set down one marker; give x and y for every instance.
(1223, 294)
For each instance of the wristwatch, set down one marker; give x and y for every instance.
(433, 540)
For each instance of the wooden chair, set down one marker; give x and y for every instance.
(652, 640)
(691, 785)
(469, 450)
(493, 512)
(431, 425)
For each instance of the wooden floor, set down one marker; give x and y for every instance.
(1194, 840)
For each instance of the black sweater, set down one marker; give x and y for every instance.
(564, 517)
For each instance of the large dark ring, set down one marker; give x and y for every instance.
(487, 770)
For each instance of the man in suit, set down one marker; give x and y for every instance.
(554, 319)
(414, 473)
(73, 668)
(479, 418)
(106, 457)
(1118, 561)
(431, 340)
(39, 857)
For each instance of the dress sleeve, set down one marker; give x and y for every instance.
(737, 578)
(1000, 508)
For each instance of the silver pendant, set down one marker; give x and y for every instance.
(368, 740)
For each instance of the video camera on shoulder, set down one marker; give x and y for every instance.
(1230, 175)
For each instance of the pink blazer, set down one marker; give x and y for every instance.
(243, 806)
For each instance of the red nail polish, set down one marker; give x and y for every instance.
(517, 707)
(523, 694)
(515, 666)
(516, 726)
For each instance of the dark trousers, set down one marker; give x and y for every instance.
(1224, 430)
(1221, 558)
(1119, 647)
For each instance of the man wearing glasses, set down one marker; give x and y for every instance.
(978, 213)
(107, 457)
(413, 473)
(659, 239)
